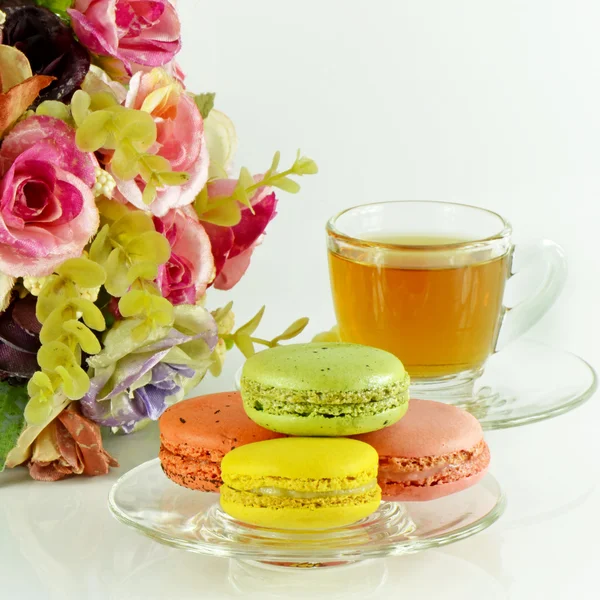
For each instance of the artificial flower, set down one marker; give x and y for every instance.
(180, 140)
(98, 81)
(233, 246)
(49, 44)
(47, 208)
(7, 283)
(134, 32)
(221, 141)
(71, 444)
(19, 88)
(190, 268)
(19, 340)
(132, 381)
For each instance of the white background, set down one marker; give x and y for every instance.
(488, 103)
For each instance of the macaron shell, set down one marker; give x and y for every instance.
(325, 517)
(429, 428)
(196, 434)
(328, 366)
(215, 422)
(399, 493)
(319, 425)
(301, 458)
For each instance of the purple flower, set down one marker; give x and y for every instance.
(132, 382)
(125, 410)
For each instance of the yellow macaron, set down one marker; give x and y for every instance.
(301, 483)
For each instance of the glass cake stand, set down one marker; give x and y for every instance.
(524, 383)
(145, 499)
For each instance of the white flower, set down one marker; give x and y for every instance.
(34, 284)
(221, 141)
(105, 183)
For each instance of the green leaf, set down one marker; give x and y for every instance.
(116, 273)
(87, 340)
(205, 103)
(222, 312)
(152, 164)
(250, 327)
(305, 166)
(93, 133)
(53, 108)
(56, 6)
(84, 272)
(13, 400)
(201, 201)
(136, 126)
(125, 162)
(296, 328)
(101, 247)
(132, 223)
(145, 270)
(173, 178)
(38, 409)
(54, 292)
(275, 162)
(149, 194)
(149, 246)
(244, 343)
(227, 214)
(286, 184)
(80, 106)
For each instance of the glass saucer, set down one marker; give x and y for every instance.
(145, 499)
(524, 383)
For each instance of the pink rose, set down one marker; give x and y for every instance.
(144, 32)
(232, 247)
(47, 208)
(180, 139)
(184, 278)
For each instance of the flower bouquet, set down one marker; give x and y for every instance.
(117, 213)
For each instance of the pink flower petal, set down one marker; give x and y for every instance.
(191, 257)
(234, 270)
(180, 140)
(252, 226)
(58, 137)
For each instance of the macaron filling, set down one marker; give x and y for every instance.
(431, 471)
(283, 492)
(303, 500)
(394, 392)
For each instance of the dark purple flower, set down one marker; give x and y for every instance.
(19, 340)
(49, 44)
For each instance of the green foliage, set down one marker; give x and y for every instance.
(12, 421)
(57, 6)
(131, 250)
(205, 103)
(56, 109)
(102, 123)
(245, 341)
(225, 210)
(64, 335)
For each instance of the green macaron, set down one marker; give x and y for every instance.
(324, 389)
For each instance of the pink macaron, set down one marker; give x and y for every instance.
(435, 450)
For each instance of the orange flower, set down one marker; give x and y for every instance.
(69, 445)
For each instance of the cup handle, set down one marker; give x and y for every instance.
(549, 258)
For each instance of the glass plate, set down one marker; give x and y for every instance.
(524, 383)
(144, 498)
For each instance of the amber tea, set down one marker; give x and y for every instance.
(440, 316)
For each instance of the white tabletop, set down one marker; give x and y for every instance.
(493, 104)
(59, 541)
